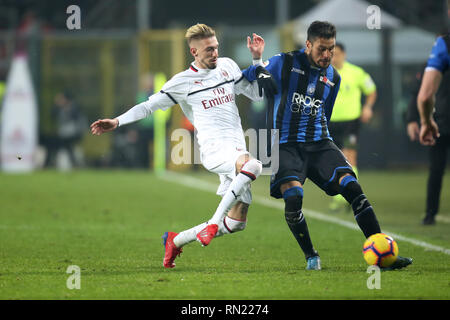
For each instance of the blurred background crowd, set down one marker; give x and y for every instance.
(125, 50)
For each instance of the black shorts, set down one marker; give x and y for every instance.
(319, 161)
(344, 133)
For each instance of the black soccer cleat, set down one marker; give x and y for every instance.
(400, 263)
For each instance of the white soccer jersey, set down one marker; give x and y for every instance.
(207, 98)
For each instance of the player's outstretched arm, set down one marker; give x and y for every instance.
(161, 100)
(104, 125)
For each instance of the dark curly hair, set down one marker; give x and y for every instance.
(321, 29)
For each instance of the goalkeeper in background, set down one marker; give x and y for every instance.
(348, 113)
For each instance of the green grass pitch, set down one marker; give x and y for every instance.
(109, 223)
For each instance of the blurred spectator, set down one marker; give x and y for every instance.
(70, 127)
(32, 24)
(150, 83)
(28, 31)
(125, 152)
(145, 126)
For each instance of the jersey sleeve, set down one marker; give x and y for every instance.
(439, 56)
(366, 83)
(176, 89)
(247, 88)
(242, 85)
(173, 92)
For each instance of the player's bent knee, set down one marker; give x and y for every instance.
(252, 168)
(349, 184)
(290, 184)
(346, 178)
(293, 199)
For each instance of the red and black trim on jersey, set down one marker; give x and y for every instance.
(193, 68)
(226, 226)
(248, 174)
(225, 223)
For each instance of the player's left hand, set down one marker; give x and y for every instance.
(256, 46)
(366, 114)
(412, 129)
(266, 82)
(428, 133)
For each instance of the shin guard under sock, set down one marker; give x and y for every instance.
(296, 221)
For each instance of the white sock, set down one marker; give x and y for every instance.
(249, 172)
(230, 197)
(190, 235)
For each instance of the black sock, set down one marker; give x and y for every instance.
(363, 211)
(297, 224)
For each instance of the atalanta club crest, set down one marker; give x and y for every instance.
(311, 89)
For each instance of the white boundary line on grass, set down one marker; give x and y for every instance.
(443, 219)
(199, 184)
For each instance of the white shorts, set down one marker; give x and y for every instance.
(221, 158)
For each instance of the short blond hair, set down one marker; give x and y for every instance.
(199, 31)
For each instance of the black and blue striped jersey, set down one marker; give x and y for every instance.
(303, 105)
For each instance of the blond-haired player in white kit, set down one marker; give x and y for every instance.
(206, 93)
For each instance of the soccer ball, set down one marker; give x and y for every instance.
(381, 250)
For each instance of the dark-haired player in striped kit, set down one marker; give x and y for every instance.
(307, 88)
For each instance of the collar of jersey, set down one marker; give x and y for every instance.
(194, 68)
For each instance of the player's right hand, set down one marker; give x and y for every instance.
(256, 46)
(428, 133)
(104, 125)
